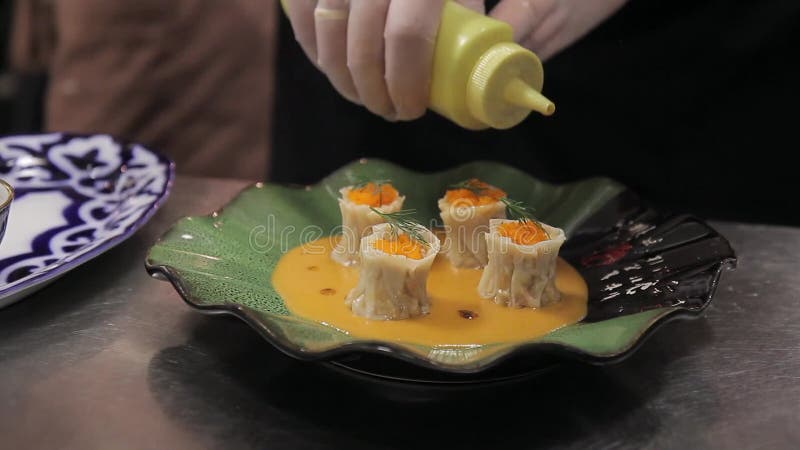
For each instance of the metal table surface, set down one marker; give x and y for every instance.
(108, 358)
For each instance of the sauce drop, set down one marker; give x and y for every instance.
(467, 314)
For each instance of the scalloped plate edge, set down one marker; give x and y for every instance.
(651, 321)
(550, 344)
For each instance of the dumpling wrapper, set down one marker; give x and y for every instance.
(521, 275)
(392, 287)
(466, 227)
(357, 222)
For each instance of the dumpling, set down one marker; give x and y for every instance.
(393, 274)
(358, 218)
(466, 212)
(522, 263)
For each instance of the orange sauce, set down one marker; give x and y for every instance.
(479, 194)
(373, 195)
(305, 277)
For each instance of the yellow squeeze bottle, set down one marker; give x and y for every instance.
(481, 78)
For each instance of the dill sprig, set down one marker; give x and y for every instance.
(361, 182)
(472, 185)
(401, 221)
(517, 210)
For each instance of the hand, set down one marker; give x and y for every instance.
(378, 53)
(549, 26)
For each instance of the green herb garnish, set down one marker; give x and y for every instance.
(472, 185)
(516, 210)
(519, 211)
(363, 182)
(401, 221)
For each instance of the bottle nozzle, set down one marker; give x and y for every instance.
(505, 86)
(521, 94)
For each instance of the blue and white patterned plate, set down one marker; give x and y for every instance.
(75, 197)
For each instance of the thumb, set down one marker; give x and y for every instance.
(475, 5)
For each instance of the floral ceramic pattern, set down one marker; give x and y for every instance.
(76, 196)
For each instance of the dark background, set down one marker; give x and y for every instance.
(21, 96)
(693, 104)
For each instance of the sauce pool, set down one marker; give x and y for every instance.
(314, 287)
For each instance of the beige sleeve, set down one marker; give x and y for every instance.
(190, 78)
(32, 39)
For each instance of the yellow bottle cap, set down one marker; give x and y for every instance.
(505, 86)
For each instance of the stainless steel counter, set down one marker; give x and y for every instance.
(108, 358)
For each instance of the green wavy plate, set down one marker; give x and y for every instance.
(222, 263)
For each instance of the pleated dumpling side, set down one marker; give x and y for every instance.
(392, 286)
(520, 275)
(466, 213)
(357, 222)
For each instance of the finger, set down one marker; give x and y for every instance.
(411, 27)
(561, 27)
(301, 16)
(547, 38)
(524, 16)
(365, 54)
(475, 5)
(331, 26)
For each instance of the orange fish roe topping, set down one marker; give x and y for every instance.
(401, 245)
(478, 194)
(525, 232)
(373, 195)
